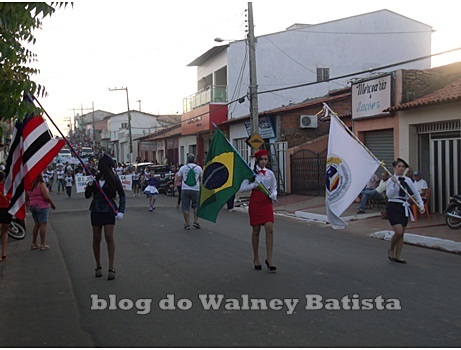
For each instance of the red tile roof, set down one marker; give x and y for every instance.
(448, 94)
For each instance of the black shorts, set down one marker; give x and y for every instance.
(5, 217)
(396, 214)
(101, 219)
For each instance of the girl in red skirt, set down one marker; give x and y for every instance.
(260, 210)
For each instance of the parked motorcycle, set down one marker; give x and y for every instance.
(17, 229)
(166, 185)
(453, 212)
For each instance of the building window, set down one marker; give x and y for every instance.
(243, 149)
(124, 125)
(323, 74)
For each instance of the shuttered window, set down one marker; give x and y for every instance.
(381, 144)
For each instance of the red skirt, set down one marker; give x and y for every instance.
(260, 209)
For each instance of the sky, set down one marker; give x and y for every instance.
(145, 46)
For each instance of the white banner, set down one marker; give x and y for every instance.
(349, 167)
(127, 182)
(80, 183)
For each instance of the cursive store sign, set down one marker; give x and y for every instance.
(371, 97)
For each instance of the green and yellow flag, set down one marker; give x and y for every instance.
(222, 176)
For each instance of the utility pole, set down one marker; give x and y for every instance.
(94, 130)
(129, 120)
(81, 116)
(253, 83)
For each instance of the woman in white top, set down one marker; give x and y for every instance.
(399, 207)
(260, 210)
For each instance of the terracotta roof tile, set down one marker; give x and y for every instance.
(448, 94)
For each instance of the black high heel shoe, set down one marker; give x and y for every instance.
(257, 267)
(271, 268)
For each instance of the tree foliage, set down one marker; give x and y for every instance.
(18, 20)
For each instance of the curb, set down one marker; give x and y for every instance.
(422, 241)
(323, 218)
(409, 238)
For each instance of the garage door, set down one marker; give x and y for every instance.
(381, 144)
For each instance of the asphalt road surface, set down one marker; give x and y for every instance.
(198, 288)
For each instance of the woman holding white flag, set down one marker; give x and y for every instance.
(398, 191)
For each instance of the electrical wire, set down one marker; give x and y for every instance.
(316, 82)
(291, 58)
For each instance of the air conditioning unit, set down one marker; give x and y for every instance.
(308, 121)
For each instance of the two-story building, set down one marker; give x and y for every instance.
(294, 66)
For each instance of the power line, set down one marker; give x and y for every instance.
(291, 58)
(362, 33)
(324, 81)
(362, 72)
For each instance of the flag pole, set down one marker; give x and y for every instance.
(328, 109)
(78, 157)
(243, 160)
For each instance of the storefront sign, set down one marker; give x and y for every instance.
(148, 146)
(266, 131)
(371, 97)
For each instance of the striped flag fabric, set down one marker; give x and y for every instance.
(32, 148)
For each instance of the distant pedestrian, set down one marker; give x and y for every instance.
(46, 179)
(50, 173)
(38, 201)
(152, 189)
(69, 180)
(230, 203)
(178, 186)
(399, 208)
(103, 214)
(60, 174)
(190, 175)
(136, 180)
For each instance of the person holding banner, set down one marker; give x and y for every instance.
(135, 179)
(398, 191)
(260, 208)
(104, 210)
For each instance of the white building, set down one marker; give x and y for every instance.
(304, 55)
(118, 133)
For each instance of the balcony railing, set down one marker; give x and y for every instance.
(211, 94)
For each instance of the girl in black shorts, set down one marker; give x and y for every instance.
(399, 207)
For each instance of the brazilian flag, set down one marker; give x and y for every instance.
(222, 176)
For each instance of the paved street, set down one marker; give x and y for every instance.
(168, 278)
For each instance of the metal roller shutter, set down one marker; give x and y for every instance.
(381, 144)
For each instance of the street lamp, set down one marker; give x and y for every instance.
(129, 119)
(220, 40)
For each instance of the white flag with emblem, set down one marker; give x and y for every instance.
(349, 167)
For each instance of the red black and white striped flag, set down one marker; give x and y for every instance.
(32, 148)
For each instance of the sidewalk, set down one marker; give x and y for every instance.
(38, 305)
(429, 232)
